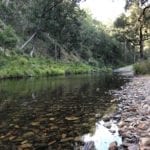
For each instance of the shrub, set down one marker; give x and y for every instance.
(8, 38)
(142, 67)
(22, 61)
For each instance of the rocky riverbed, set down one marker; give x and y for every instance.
(133, 115)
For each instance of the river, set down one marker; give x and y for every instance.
(56, 113)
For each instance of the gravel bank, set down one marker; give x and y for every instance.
(134, 114)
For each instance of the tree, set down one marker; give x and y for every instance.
(97, 43)
(135, 25)
(143, 20)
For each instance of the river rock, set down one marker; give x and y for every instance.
(106, 118)
(107, 125)
(121, 124)
(112, 131)
(40, 146)
(67, 139)
(89, 146)
(117, 117)
(12, 138)
(24, 142)
(148, 98)
(97, 116)
(77, 139)
(51, 142)
(28, 135)
(113, 146)
(35, 123)
(63, 135)
(143, 126)
(25, 146)
(145, 142)
(133, 147)
(113, 100)
(71, 118)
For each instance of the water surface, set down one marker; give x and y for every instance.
(57, 113)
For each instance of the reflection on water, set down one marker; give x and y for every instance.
(54, 113)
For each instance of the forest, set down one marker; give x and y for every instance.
(51, 37)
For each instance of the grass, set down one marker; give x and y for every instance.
(19, 66)
(142, 67)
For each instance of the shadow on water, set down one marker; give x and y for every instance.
(58, 113)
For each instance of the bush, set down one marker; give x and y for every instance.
(142, 67)
(8, 38)
(22, 61)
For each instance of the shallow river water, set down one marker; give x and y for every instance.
(57, 113)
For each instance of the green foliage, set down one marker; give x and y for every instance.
(61, 27)
(22, 66)
(129, 3)
(8, 38)
(97, 46)
(121, 21)
(142, 67)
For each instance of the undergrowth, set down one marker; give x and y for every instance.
(19, 66)
(142, 67)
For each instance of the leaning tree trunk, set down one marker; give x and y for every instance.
(28, 41)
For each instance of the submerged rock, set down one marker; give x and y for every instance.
(25, 146)
(113, 146)
(71, 118)
(28, 134)
(67, 139)
(106, 118)
(35, 123)
(89, 146)
(107, 125)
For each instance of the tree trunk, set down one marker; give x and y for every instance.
(28, 41)
(32, 52)
(55, 51)
(141, 42)
(125, 50)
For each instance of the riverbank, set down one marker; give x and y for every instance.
(19, 66)
(134, 114)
